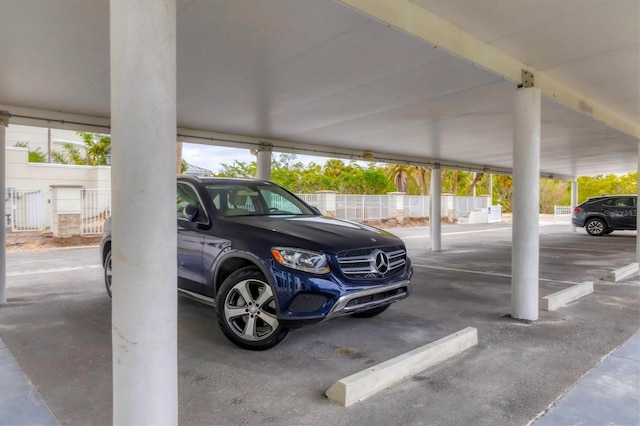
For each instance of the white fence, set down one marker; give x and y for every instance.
(27, 210)
(95, 208)
(562, 214)
(458, 207)
(416, 205)
(363, 207)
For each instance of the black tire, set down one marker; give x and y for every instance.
(596, 227)
(253, 323)
(107, 272)
(370, 312)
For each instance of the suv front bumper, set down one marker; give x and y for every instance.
(363, 300)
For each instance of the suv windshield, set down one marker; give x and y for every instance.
(254, 199)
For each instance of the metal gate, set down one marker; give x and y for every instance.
(27, 210)
(96, 207)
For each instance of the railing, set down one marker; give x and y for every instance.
(416, 205)
(95, 208)
(463, 206)
(364, 207)
(361, 207)
(562, 214)
(28, 208)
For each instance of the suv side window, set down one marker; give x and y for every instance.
(278, 203)
(187, 195)
(623, 202)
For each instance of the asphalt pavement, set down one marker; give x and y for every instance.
(56, 334)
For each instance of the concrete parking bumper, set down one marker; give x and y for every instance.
(368, 382)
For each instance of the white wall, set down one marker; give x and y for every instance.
(37, 137)
(24, 175)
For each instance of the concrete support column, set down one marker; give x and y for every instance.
(4, 122)
(574, 198)
(396, 206)
(436, 209)
(526, 205)
(327, 203)
(264, 162)
(143, 120)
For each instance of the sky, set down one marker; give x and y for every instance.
(212, 157)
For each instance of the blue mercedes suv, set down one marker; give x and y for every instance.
(269, 262)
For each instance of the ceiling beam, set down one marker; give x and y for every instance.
(56, 120)
(426, 26)
(85, 123)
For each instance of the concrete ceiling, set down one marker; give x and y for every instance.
(318, 76)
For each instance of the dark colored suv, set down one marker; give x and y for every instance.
(603, 215)
(269, 262)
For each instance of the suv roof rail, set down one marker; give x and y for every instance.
(196, 178)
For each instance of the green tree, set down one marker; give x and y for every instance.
(399, 174)
(364, 181)
(333, 168)
(502, 191)
(553, 192)
(97, 148)
(593, 186)
(474, 184)
(238, 169)
(94, 153)
(35, 156)
(422, 178)
(450, 181)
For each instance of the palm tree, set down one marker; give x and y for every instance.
(35, 156)
(422, 177)
(74, 154)
(475, 182)
(503, 191)
(399, 174)
(333, 168)
(96, 149)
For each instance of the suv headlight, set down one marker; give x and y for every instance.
(303, 260)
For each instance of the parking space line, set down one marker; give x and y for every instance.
(49, 271)
(475, 231)
(555, 248)
(494, 274)
(458, 233)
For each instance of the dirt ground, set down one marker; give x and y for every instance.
(30, 241)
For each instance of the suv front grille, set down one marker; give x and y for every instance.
(372, 263)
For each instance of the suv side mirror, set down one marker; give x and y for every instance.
(190, 212)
